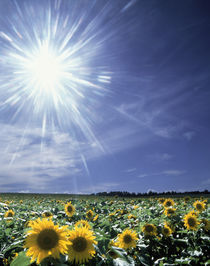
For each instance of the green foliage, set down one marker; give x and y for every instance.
(182, 247)
(21, 259)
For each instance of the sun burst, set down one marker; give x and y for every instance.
(44, 70)
(51, 66)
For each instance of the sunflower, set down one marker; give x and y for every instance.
(47, 214)
(9, 214)
(95, 218)
(89, 214)
(113, 243)
(187, 198)
(161, 200)
(29, 223)
(168, 203)
(131, 216)
(119, 211)
(45, 239)
(83, 223)
(169, 211)
(149, 230)
(127, 239)
(193, 213)
(190, 221)
(199, 205)
(166, 230)
(69, 209)
(81, 248)
(112, 214)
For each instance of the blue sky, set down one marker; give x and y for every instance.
(131, 108)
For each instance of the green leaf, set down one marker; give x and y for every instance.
(145, 260)
(207, 263)
(159, 262)
(122, 262)
(21, 259)
(8, 231)
(120, 252)
(183, 261)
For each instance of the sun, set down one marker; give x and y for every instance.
(44, 69)
(54, 71)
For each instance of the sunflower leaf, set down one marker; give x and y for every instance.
(21, 259)
(122, 262)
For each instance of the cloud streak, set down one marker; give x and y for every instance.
(172, 172)
(32, 161)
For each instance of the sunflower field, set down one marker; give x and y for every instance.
(89, 230)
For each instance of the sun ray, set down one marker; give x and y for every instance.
(50, 66)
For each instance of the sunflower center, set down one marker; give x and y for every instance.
(69, 209)
(199, 206)
(168, 203)
(79, 244)
(89, 214)
(191, 221)
(127, 239)
(166, 231)
(47, 239)
(170, 211)
(10, 214)
(149, 228)
(47, 214)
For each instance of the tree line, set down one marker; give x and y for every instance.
(149, 193)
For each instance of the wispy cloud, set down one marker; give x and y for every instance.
(130, 3)
(122, 137)
(189, 135)
(131, 170)
(173, 172)
(29, 160)
(165, 173)
(158, 157)
(156, 121)
(100, 187)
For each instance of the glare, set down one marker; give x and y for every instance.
(54, 68)
(44, 70)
